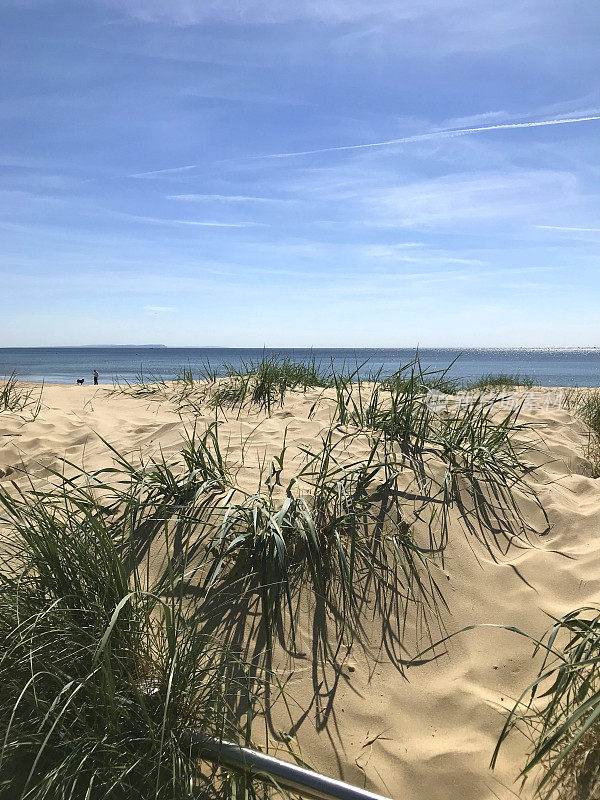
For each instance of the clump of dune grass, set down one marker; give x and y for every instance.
(338, 533)
(108, 657)
(339, 527)
(261, 384)
(488, 461)
(17, 398)
(264, 383)
(586, 404)
(152, 385)
(560, 710)
(394, 402)
(499, 382)
(413, 377)
(335, 530)
(365, 542)
(102, 669)
(145, 384)
(483, 449)
(11, 396)
(335, 533)
(198, 468)
(398, 406)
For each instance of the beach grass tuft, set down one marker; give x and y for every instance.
(560, 710)
(494, 382)
(334, 530)
(260, 384)
(338, 533)
(265, 382)
(16, 398)
(585, 403)
(145, 384)
(102, 668)
(484, 449)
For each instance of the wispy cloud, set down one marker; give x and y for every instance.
(159, 309)
(153, 172)
(187, 12)
(364, 195)
(489, 198)
(445, 133)
(226, 198)
(192, 222)
(472, 17)
(567, 228)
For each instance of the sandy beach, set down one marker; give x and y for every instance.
(376, 718)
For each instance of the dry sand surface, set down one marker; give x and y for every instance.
(413, 731)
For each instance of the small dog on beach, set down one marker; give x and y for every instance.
(80, 380)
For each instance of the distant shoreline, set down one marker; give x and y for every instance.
(271, 348)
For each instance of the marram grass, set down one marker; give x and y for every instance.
(500, 382)
(17, 398)
(585, 403)
(484, 449)
(100, 670)
(560, 710)
(335, 529)
(260, 385)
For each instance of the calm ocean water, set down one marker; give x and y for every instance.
(577, 367)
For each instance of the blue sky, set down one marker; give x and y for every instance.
(308, 173)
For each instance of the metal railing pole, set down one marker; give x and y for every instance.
(288, 776)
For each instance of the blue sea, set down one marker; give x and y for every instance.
(568, 367)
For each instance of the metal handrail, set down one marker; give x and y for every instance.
(288, 776)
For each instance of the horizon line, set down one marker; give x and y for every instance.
(293, 347)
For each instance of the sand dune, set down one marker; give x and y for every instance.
(409, 731)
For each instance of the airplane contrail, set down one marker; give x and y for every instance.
(161, 171)
(446, 133)
(566, 228)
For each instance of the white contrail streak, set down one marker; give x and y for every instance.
(565, 228)
(161, 171)
(193, 222)
(446, 133)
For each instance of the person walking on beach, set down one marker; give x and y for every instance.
(95, 378)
